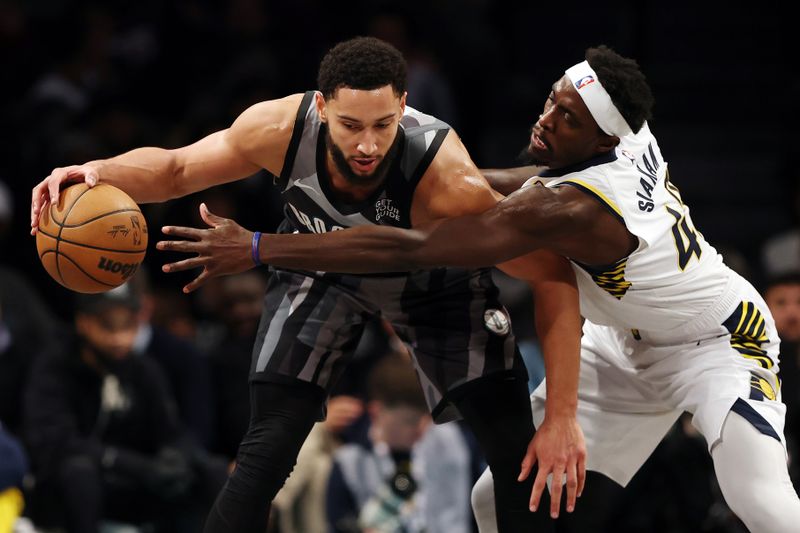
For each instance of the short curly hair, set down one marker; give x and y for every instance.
(625, 84)
(364, 63)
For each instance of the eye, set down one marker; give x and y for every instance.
(349, 126)
(383, 125)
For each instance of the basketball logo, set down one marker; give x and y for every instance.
(93, 240)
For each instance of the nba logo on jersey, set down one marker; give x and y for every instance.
(384, 208)
(584, 81)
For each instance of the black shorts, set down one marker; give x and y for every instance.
(451, 320)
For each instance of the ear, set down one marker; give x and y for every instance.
(606, 143)
(403, 103)
(322, 110)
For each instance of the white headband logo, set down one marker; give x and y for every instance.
(591, 91)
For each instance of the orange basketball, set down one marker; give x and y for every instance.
(93, 240)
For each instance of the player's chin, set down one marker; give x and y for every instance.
(538, 156)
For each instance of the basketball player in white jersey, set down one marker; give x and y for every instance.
(669, 327)
(353, 154)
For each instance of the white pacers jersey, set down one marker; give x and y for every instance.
(674, 275)
(670, 328)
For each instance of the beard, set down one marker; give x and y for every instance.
(349, 174)
(526, 157)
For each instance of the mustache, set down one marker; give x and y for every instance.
(341, 162)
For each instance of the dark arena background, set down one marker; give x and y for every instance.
(89, 80)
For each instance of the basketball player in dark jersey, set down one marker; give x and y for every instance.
(354, 154)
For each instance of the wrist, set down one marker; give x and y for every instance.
(255, 248)
(562, 411)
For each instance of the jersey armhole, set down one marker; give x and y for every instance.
(297, 133)
(598, 195)
(430, 153)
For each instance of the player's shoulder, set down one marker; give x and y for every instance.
(413, 118)
(266, 124)
(278, 113)
(453, 185)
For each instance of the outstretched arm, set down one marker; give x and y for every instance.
(532, 218)
(507, 180)
(558, 448)
(562, 220)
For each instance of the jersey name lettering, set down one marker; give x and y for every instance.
(314, 224)
(647, 181)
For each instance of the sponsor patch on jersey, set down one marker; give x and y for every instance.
(496, 321)
(385, 209)
(584, 81)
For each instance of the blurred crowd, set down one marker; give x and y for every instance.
(137, 399)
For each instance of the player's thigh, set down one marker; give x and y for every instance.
(309, 329)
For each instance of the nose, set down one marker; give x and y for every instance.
(546, 120)
(367, 143)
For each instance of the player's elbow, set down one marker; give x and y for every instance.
(176, 184)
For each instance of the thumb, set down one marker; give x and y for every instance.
(208, 217)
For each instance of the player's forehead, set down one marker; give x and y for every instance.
(364, 105)
(566, 96)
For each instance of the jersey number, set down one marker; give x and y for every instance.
(685, 235)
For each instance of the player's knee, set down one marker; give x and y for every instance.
(483, 505)
(753, 477)
(483, 492)
(767, 505)
(263, 462)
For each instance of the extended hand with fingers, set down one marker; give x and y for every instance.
(559, 449)
(224, 248)
(47, 191)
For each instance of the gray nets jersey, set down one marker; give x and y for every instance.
(310, 206)
(451, 319)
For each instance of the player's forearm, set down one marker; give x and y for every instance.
(508, 180)
(355, 251)
(558, 324)
(469, 241)
(146, 174)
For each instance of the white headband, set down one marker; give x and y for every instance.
(605, 113)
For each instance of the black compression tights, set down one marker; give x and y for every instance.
(280, 420)
(499, 413)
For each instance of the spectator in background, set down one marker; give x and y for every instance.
(408, 476)
(13, 467)
(300, 504)
(103, 434)
(780, 254)
(187, 370)
(782, 294)
(239, 310)
(27, 326)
